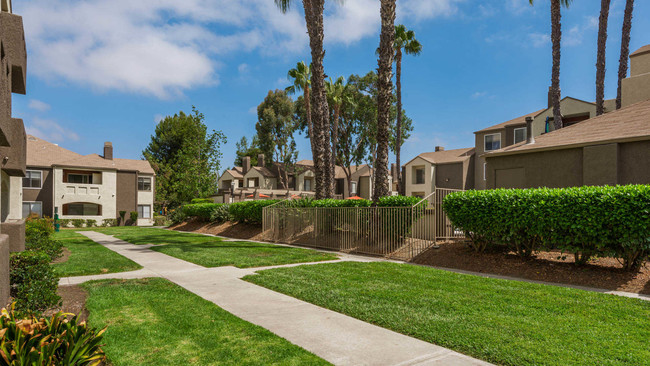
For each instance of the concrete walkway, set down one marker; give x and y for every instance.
(337, 338)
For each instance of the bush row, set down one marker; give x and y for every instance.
(586, 221)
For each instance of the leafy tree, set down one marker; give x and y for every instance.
(600, 57)
(243, 149)
(275, 128)
(185, 157)
(625, 49)
(405, 42)
(337, 97)
(301, 76)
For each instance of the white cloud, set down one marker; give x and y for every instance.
(479, 94)
(37, 105)
(50, 130)
(428, 9)
(518, 7)
(576, 33)
(539, 39)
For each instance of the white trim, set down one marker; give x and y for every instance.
(514, 134)
(492, 134)
(41, 179)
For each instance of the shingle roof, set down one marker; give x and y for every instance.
(515, 121)
(235, 172)
(42, 153)
(447, 156)
(339, 172)
(629, 123)
(641, 50)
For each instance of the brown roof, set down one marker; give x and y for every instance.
(235, 173)
(42, 153)
(630, 123)
(447, 156)
(340, 173)
(641, 50)
(516, 121)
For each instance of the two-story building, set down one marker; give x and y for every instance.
(91, 186)
(439, 169)
(13, 63)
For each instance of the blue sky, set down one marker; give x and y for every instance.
(107, 70)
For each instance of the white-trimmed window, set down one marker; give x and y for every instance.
(484, 171)
(492, 142)
(30, 208)
(520, 134)
(33, 179)
(144, 184)
(418, 175)
(353, 187)
(144, 211)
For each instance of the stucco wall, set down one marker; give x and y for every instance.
(479, 182)
(103, 194)
(450, 176)
(45, 194)
(126, 194)
(634, 162)
(409, 179)
(635, 89)
(640, 64)
(569, 107)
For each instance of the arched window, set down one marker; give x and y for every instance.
(82, 209)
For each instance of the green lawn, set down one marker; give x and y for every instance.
(88, 257)
(213, 252)
(504, 322)
(154, 322)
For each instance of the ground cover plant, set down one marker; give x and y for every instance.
(504, 322)
(586, 221)
(214, 252)
(149, 325)
(87, 257)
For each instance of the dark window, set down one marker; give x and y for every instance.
(144, 184)
(419, 176)
(493, 142)
(520, 134)
(82, 209)
(33, 179)
(80, 178)
(144, 211)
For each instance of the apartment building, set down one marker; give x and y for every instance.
(91, 186)
(439, 169)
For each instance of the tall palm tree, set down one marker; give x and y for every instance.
(600, 57)
(319, 108)
(404, 40)
(556, 38)
(301, 76)
(625, 48)
(384, 97)
(338, 96)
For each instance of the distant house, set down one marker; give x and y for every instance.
(267, 180)
(439, 169)
(610, 149)
(85, 186)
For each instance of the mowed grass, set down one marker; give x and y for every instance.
(155, 322)
(504, 322)
(88, 257)
(214, 252)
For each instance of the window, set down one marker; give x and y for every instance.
(144, 211)
(353, 188)
(144, 183)
(484, 171)
(30, 208)
(253, 182)
(520, 134)
(33, 179)
(419, 175)
(82, 209)
(80, 178)
(308, 185)
(492, 142)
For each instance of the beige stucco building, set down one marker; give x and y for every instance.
(452, 169)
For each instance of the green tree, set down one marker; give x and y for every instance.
(301, 76)
(185, 157)
(275, 128)
(384, 97)
(601, 57)
(405, 42)
(625, 49)
(556, 39)
(337, 97)
(243, 149)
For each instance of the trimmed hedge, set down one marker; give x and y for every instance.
(249, 211)
(33, 281)
(202, 200)
(200, 210)
(586, 221)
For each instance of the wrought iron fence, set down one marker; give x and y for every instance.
(395, 232)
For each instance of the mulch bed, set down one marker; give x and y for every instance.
(73, 300)
(556, 267)
(65, 254)
(227, 229)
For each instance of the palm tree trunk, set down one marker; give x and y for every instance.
(625, 49)
(310, 127)
(398, 137)
(384, 98)
(320, 109)
(556, 37)
(600, 57)
(335, 137)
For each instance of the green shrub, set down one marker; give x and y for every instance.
(110, 222)
(201, 210)
(249, 211)
(585, 221)
(134, 217)
(64, 222)
(33, 281)
(39, 237)
(202, 200)
(122, 219)
(48, 341)
(91, 223)
(398, 201)
(78, 222)
(176, 216)
(220, 213)
(160, 221)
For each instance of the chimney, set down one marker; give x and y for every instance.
(108, 151)
(260, 160)
(530, 139)
(246, 164)
(440, 148)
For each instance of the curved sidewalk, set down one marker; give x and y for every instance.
(337, 338)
